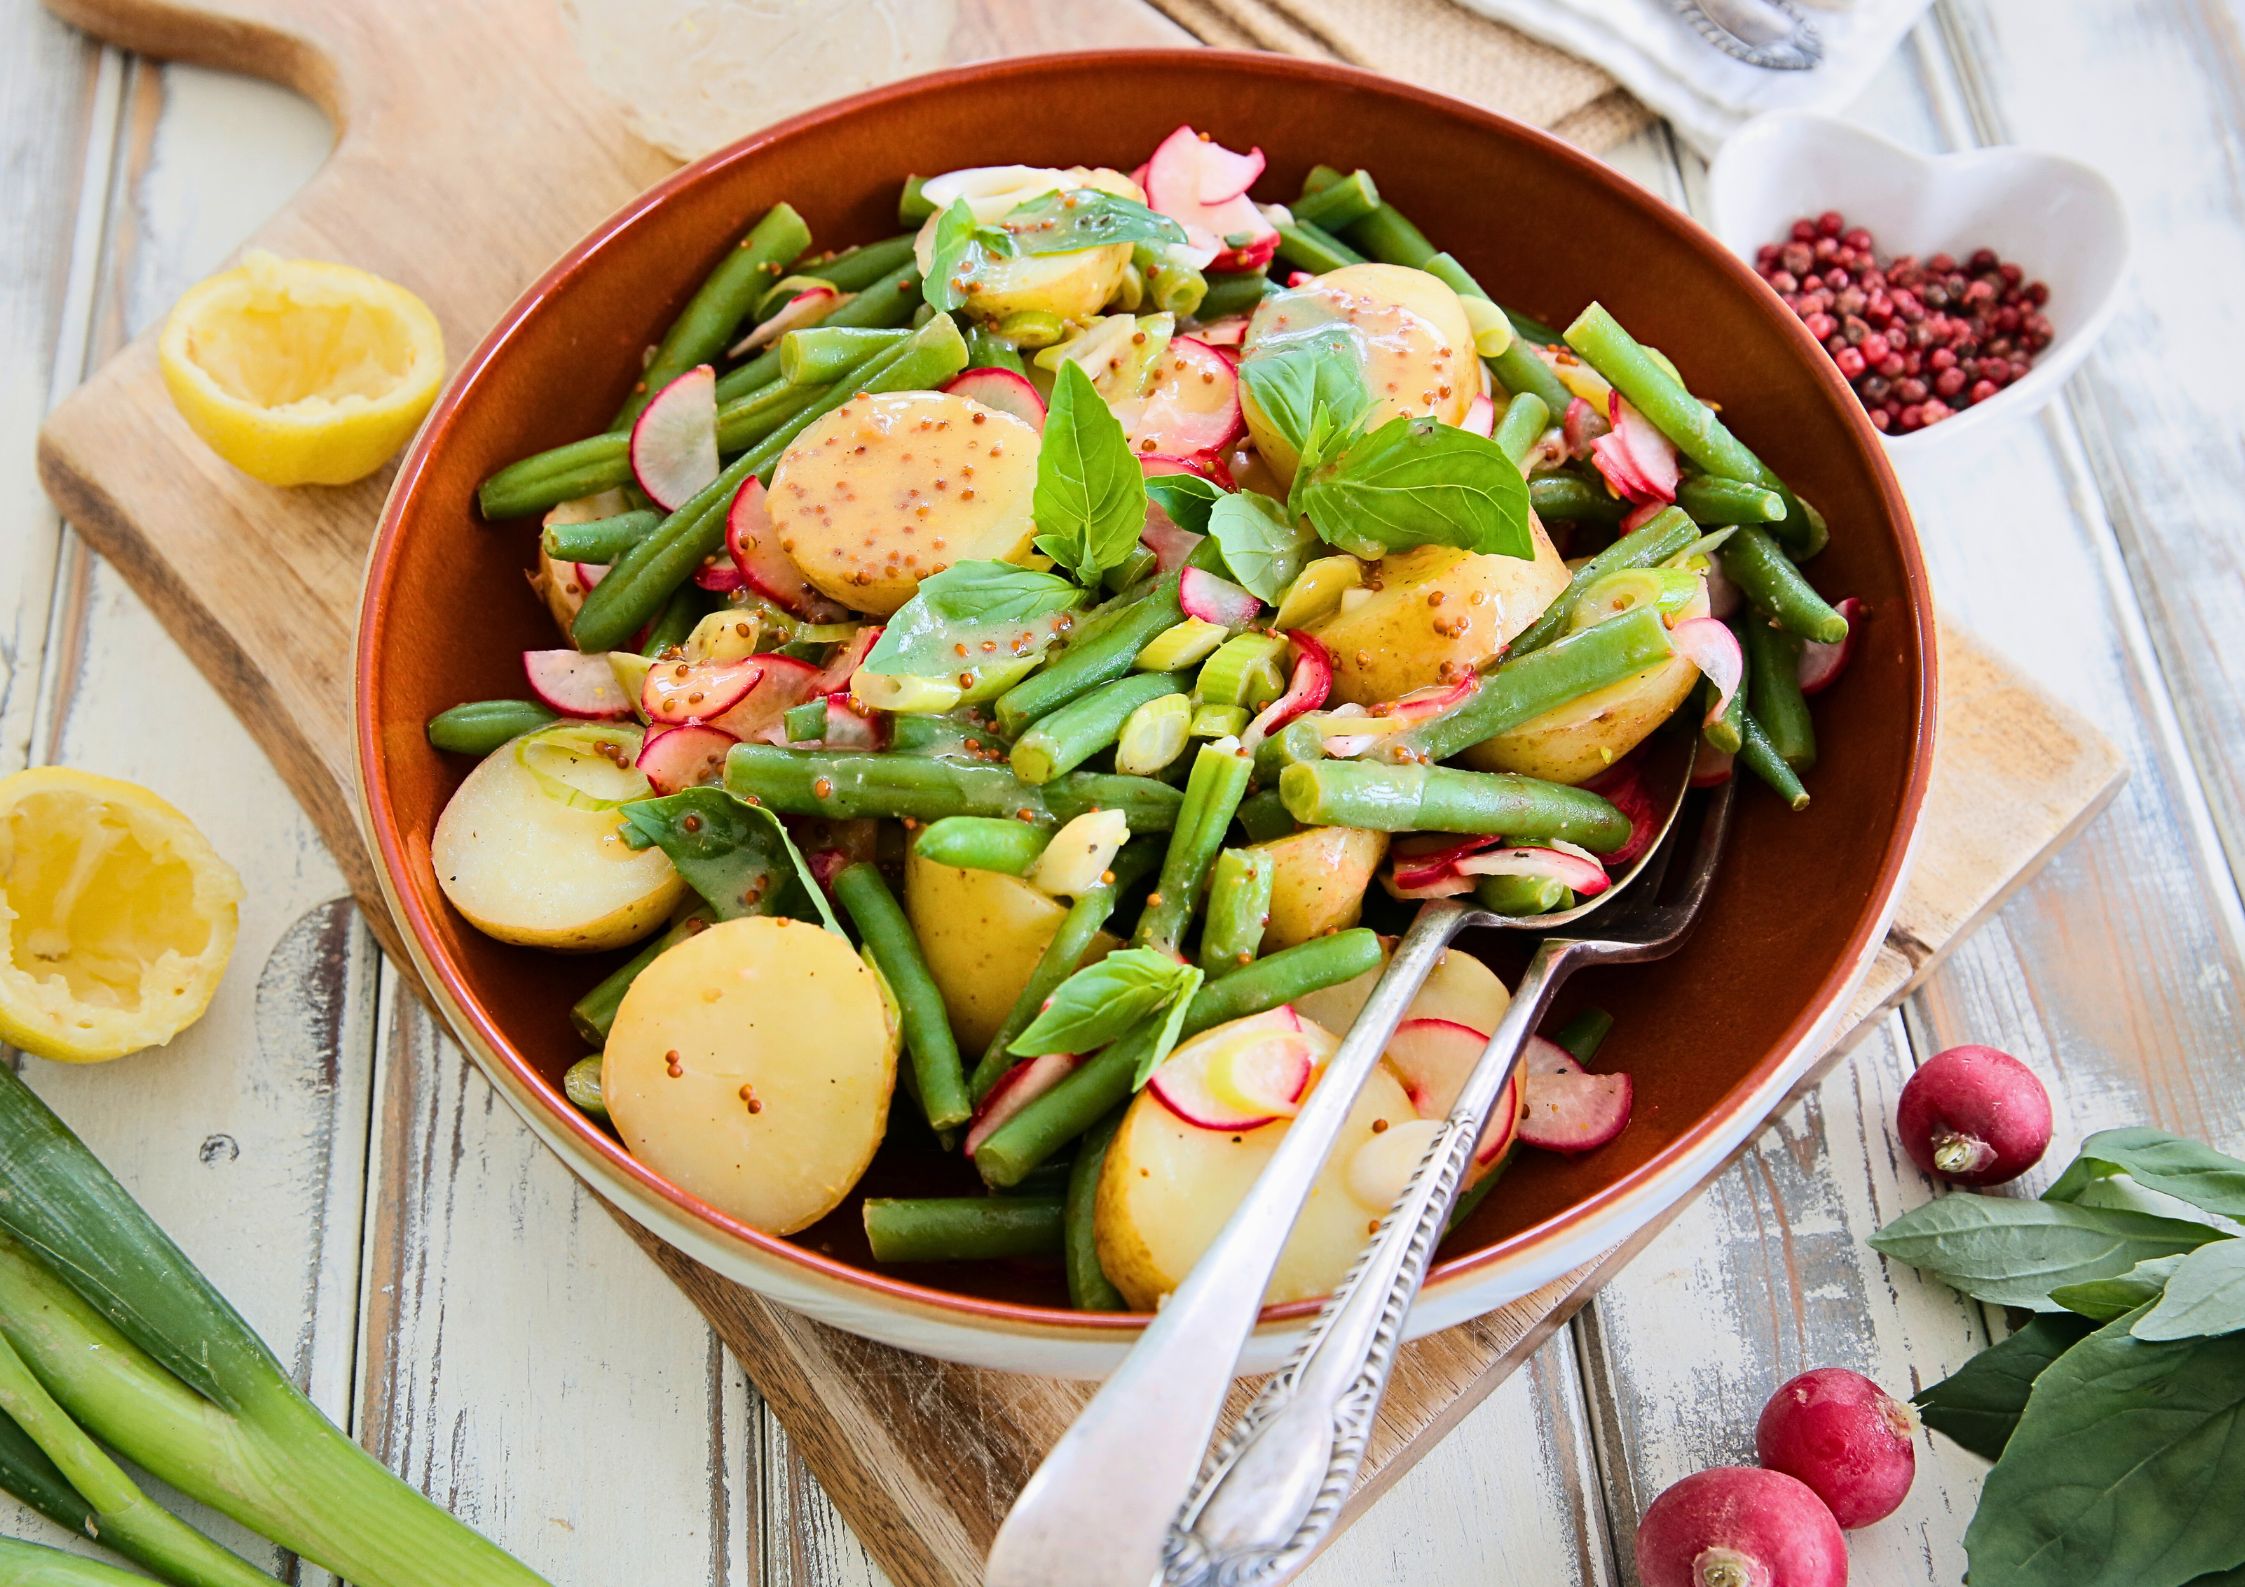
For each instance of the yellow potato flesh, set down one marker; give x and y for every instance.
(526, 868)
(1409, 334)
(890, 488)
(1461, 988)
(982, 933)
(1317, 883)
(1432, 614)
(1073, 286)
(1168, 1186)
(752, 1066)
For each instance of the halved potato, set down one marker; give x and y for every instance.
(1461, 988)
(752, 1065)
(982, 933)
(1318, 880)
(529, 868)
(1433, 614)
(892, 487)
(1074, 285)
(557, 583)
(1168, 1187)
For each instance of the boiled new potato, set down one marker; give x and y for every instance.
(982, 933)
(1583, 737)
(557, 583)
(1432, 614)
(752, 1065)
(1318, 880)
(1407, 330)
(894, 486)
(1074, 285)
(529, 867)
(1168, 1187)
(1460, 988)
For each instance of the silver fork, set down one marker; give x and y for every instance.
(1771, 34)
(1115, 1503)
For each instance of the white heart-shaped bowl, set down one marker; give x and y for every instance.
(2063, 222)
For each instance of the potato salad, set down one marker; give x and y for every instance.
(1008, 676)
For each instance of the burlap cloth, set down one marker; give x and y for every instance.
(1435, 43)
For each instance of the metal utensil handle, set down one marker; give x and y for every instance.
(1099, 1510)
(1279, 1481)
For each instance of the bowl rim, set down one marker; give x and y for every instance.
(480, 1034)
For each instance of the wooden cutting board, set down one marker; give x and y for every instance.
(482, 114)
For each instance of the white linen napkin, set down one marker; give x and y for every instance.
(1660, 57)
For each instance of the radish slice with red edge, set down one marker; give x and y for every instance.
(1480, 417)
(1822, 664)
(1712, 648)
(1169, 544)
(843, 667)
(1640, 515)
(1176, 176)
(720, 578)
(683, 757)
(849, 728)
(679, 692)
(1723, 597)
(1711, 767)
(1623, 787)
(1299, 278)
(1560, 862)
(1203, 465)
(1306, 690)
(1229, 331)
(1213, 600)
(807, 307)
(1225, 173)
(755, 548)
(1240, 1076)
(1191, 403)
(1016, 1089)
(787, 683)
(1002, 391)
(1570, 1109)
(576, 684)
(1434, 1057)
(1581, 426)
(674, 442)
(589, 574)
(1653, 453)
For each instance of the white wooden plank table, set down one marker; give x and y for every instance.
(442, 1285)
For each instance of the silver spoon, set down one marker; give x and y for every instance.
(1771, 34)
(1115, 1503)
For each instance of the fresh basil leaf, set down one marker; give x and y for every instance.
(2157, 1161)
(998, 611)
(2102, 1299)
(1090, 501)
(1172, 1027)
(960, 250)
(735, 854)
(2205, 1296)
(1978, 1405)
(1416, 482)
(2124, 1471)
(1186, 498)
(1085, 217)
(1264, 545)
(1102, 1000)
(2014, 1253)
(1292, 381)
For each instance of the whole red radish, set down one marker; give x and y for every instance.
(1740, 1526)
(1974, 1116)
(1845, 1437)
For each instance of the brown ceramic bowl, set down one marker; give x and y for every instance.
(1713, 1037)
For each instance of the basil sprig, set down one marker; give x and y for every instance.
(999, 612)
(1263, 544)
(959, 252)
(1090, 500)
(1104, 999)
(735, 854)
(1085, 217)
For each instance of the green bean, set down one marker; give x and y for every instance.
(477, 727)
(1651, 543)
(912, 206)
(1098, 656)
(1520, 895)
(1387, 235)
(1478, 1192)
(982, 843)
(1343, 793)
(855, 269)
(887, 304)
(1064, 739)
(1139, 563)
(1722, 730)
(1263, 817)
(646, 575)
(1102, 1083)
(580, 1083)
(1089, 1287)
(1583, 1035)
(1517, 368)
(936, 1067)
(1524, 688)
(1574, 499)
(1521, 427)
(1239, 907)
(847, 783)
(820, 353)
(962, 1228)
(1773, 661)
(1337, 205)
(1213, 790)
(703, 328)
(681, 610)
(595, 1012)
(1759, 756)
(600, 541)
(1726, 501)
(987, 350)
(1233, 292)
(1173, 286)
(1314, 249)
(804, 722)
(1766, 576)
(1695, 428)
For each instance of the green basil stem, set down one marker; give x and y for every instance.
(846, 783)
(1089, 1287)
(982, 843)
(1098, 656)
(1239, 908)
(703, 328)
(477, 727)
(1759, 756)
(885, 305)
(595, 1012)
(936, 1066)
(1694, 426)
(1064, 739)
(820, 353)
(962, 1228)
(1521, 426)
(1773, 659)
(1213, 790)
(1342, 793)
(1517, 368)
(1102, 1083)
(1766, 576)
(1651, 543)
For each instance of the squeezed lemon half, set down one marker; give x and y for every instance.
(301, 372)
(118, 916)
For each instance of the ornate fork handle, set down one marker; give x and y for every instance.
(1282, 1474)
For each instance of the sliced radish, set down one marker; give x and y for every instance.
(1240, 1076)
(576, 684)
(839, 671)
(1623, 787)
(1435, 1057)
(787, 683)
(589, 574)
(683, 757)
(1821, 664)
(764, 563)
(1299, 278)
(1175, 179)
(1213, 600)
(1191, 403)
(680, 692)
(1306, 689)
(1711, 767)
(720, 578)
(1203, 465)
(1426, 865)
(1712, 648)
(1640, 515)
(849, 728)
(1570, 1109)
(1480, 417)
(1004, 391)
(807, 307)
(1581, 425)
(1560, 862)
(1225, 173)
(1016, 1089)
(1229, 331)
(1724, 599)
(1635, 457)
(1442, 881)
(674, 444)
(1169, 544)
